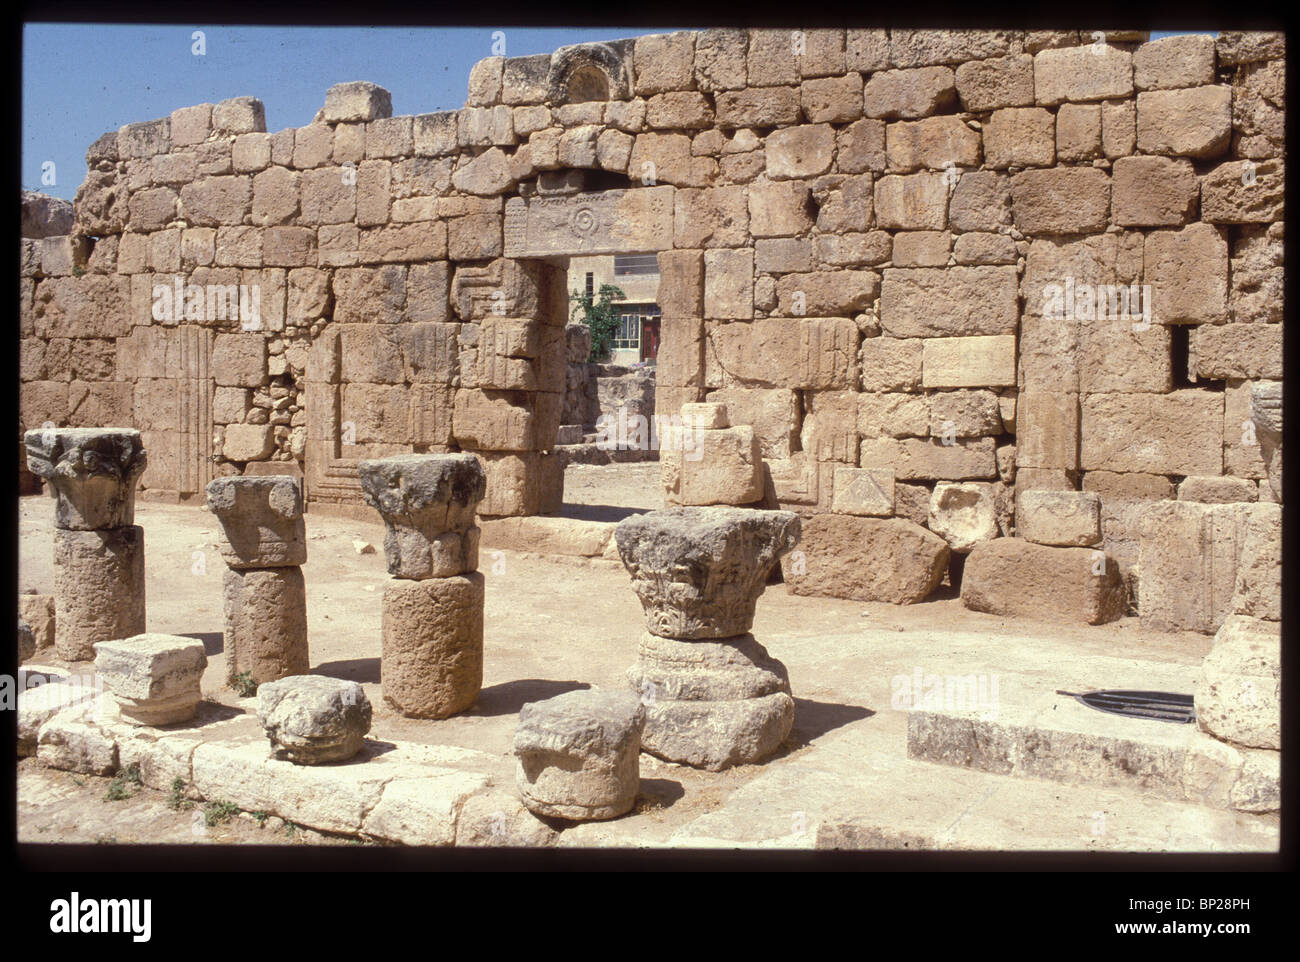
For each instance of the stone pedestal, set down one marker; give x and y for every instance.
(264, 595)
(432, 661)
(154, 678)
(713, 695)
(98, 552)
(578, 754)
(313, 720)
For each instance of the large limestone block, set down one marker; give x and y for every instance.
(866, 559)
(1181, 433)
(928, 459)
(1082, 73)
(265, 613)
(92, 473)
(1192, 122)
(725, 670)
(311, 719)
(432, 660)
(262, 520)
(1011, 576)
(1238, 693)
(1187, 271)
(153, 677)
(722, 467)
(964, 514)
(1061, 200)
(981, 361)
(715, 735)
(699, 571)
(1188, 557)
(949, 301)
(579, 754)
(99, 592)
(1060, 518)
(427, 502)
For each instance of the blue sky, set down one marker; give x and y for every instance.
(81, 80)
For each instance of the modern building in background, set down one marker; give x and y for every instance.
(637, 275)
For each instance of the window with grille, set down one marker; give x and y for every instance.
(625, 264)
(630, 316)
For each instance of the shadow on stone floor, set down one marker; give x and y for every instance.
(508, 697)
(214, 642)
(813, 719)
(599, 512)
(363, 670)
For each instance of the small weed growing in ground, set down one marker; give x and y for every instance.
(117, 788)
(79, 782)
(244, 685)
(648, 803)
(260, 817)
(176, 799)
(214, 813)
(290, 829)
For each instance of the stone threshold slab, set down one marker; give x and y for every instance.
(857, 792)
(1055, 737)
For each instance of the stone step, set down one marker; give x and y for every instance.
(1055, 737)
(858, 791)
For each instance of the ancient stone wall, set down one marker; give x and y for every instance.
(885, 250)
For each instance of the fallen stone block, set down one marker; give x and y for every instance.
(154, 678)
(579, 754)
(866, 559)
(964, 514)
(312, 720)
(1011, 576)
(39, 703)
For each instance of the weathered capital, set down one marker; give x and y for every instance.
(427, 502)
(699, 571)
(262, 520)
(92, 473)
